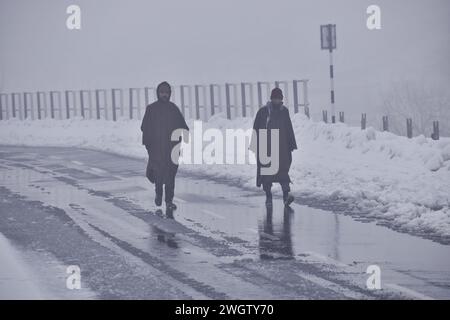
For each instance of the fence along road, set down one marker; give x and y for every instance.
(195, 101)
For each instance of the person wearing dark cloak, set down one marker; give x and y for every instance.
(161, 119)
(274, 115)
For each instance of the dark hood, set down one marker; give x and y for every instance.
(164, 83)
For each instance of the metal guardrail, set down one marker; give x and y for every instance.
(384, 124)
(195, 101)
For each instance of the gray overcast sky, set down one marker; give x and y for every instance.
(138, 43)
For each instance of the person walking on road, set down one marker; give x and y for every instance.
(274, 116)
(161, 119)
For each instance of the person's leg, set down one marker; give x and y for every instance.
(169, 189)
(267, 187)
(159, 193)
(287, 198)
(149, 171)
(151, 177)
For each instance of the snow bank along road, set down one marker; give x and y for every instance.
(400, 182)
(69, 206)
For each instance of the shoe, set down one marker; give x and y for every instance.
(171, 206)
(158, 199)
(288, 200)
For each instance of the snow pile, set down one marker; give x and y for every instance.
(405, 182)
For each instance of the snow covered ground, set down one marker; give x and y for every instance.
(405, 182)
(16, 281)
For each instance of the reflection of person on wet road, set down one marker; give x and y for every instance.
(165, 236)
(161, 119)
(274, 115)
(272, 243)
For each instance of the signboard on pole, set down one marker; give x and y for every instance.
(328, 36)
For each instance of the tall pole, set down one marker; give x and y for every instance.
(333, 115)
(328, 42)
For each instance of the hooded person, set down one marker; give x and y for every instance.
(161, 119)
(274, 115)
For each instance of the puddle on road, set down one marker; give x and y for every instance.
(406, 260)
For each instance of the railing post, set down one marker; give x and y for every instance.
(146, 97)
(227, 98)
(243, 100)
(307, 111)
(13, 100)
(183, 106)
(38, 100)
(20, 106)
(385, 123)
(25, 105)
(363, 121)
(325, 116)
(138, 103)
(118, 92)
(211, 97)
(52, 105)
(113, 104)
(1, 107)
(409, 127)
(341, 116)
(305, 94)
(197, 102)
(66, 93)
(97, 103)
(295, 93)
(130, 92)
(259, 88)
(435, 135)
(5, 106)
(82, 103)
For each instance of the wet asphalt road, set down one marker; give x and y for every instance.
(65, 206)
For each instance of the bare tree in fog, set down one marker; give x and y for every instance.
(422, 103)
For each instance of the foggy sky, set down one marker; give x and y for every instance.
(139, 43)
